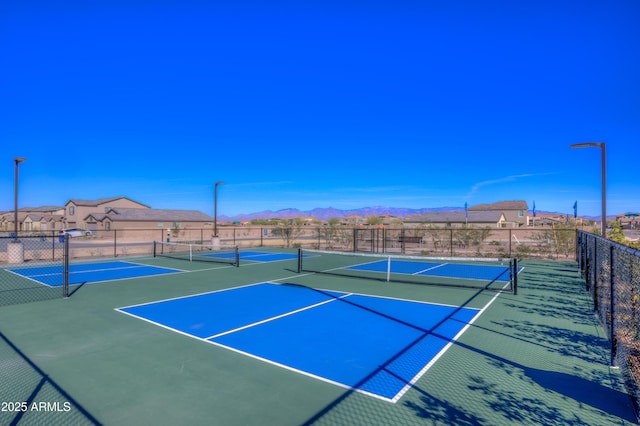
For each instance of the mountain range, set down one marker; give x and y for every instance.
(330, 212)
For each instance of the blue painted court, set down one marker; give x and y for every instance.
(374, 345)
(90, 272)
(264, 256)
(495, 273)
(252, 256)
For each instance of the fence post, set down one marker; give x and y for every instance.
(510, 239)
(451, 242)
(65, 267)
(384, 240)
(515, 276)
(373, 236)
(595, 274)
(53, 246)
(614, 341)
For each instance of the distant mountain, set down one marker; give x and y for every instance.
(330, 212)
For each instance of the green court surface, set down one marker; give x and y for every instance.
(538, 357)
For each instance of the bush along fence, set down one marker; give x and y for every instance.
(553, 243)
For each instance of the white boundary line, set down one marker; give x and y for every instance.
(442, 351)
(134, 265)
(400, 393)
(286, 314)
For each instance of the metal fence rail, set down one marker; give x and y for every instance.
(612, 275)
(550, 242)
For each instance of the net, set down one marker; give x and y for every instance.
(488, 274)
(197, 252)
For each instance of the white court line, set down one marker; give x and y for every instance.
(278, 317)
(433, 360)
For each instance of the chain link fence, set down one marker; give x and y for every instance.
(25, 265)
(553, 243)
(30, 397)
(612, 275)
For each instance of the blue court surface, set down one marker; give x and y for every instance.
(253, 256)
(90, 272)
(443, 270)
(263, 256)
(374, 345)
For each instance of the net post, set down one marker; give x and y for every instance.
(237, 256)
(155, 248)
(515, 276)
(299, 259)
(388, 268)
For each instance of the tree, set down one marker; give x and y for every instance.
(616, 234)
(289, 230)
(374, 220)
(329, 232)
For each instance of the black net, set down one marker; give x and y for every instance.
(489, 274)
(197, 252)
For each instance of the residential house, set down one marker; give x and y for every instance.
(76, 210)
(515, 212)
(120, 218)
(34, 219)
(458, 219)
(629, 220)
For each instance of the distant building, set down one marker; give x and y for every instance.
(457, 219)
(34, 219)
(515, 212)
(119, 218)
(629, 220)
(76, 210)
(102, 214)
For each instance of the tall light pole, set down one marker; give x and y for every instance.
(603, 150)
(17, 161)
(215, 208)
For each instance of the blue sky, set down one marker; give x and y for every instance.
(321, 104)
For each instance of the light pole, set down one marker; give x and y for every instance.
(215, 208)
(17, 161)
(603, 150)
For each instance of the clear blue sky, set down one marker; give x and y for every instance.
(321, 104)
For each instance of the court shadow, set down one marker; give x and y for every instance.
(584, 391)
(77, 288)
(39, 387)
(534, 409)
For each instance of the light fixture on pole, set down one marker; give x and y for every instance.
(603, 150)
(17, 161)
(215, 208)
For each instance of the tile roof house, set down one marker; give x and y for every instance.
(503, 214)
(102, 214)
(630, 220)
(34, 219)
(138, 218)
(515, 212)
(76, 210)
(491, 219)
